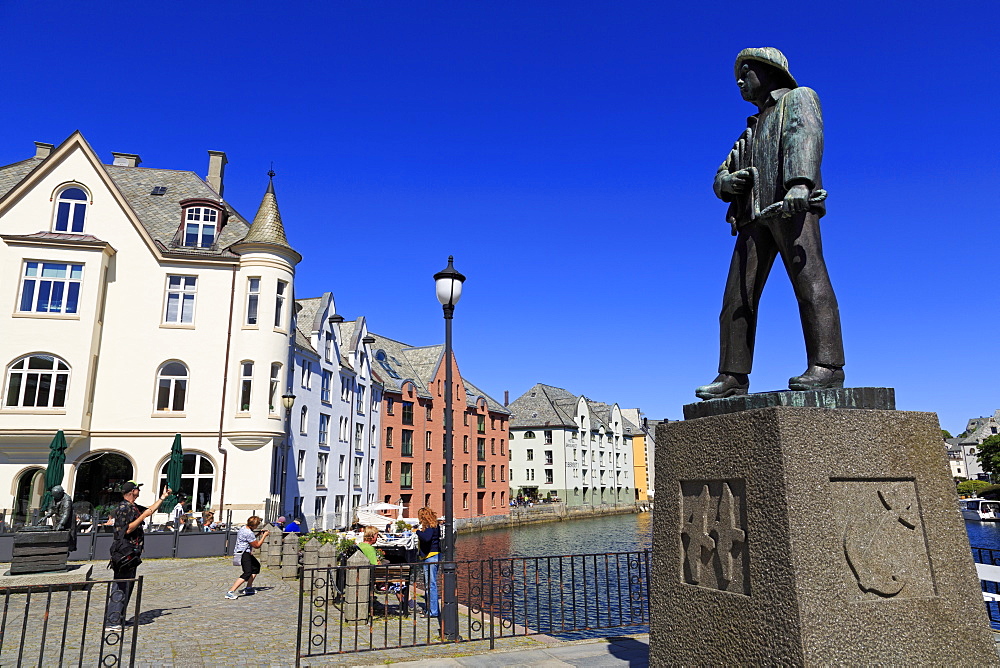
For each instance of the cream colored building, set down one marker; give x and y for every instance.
(137, 304)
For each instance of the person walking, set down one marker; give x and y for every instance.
(126, 550)
(429, 538)
(243, 556)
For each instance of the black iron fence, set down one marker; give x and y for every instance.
(361, 608)
(84, 624)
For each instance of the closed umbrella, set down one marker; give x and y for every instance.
(174, 467)
(54, 469)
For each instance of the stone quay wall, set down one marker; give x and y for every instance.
(547, 512)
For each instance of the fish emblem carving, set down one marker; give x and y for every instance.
(869, 545)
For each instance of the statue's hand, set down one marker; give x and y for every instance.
(737, 183)
(796, 201)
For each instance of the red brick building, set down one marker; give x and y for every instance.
(412, 452)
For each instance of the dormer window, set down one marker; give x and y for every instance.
(200, 226)
(71, 210)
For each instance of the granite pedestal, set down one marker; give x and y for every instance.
(811, 536)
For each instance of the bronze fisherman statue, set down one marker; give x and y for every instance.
(771, 180)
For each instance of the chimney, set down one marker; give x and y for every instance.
(216, 170)
(506, 397)
(126, 159)
(42, 149)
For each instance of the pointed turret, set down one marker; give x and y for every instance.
(267, 228)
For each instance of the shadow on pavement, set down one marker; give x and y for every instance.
(149, 616)
(633, 651)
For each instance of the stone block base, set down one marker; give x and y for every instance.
(811, 536)
(73, 575)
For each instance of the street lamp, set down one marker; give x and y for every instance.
(287, 400)
(448, 285)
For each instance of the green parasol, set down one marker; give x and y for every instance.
(174, 467)
(54, 469)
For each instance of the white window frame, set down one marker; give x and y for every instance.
(72, 206)
(60, 371)
(253, 302)
(279, 304)
(246, 386)
(324, 428)
(321, 462)
(33, 276)
(300, 465)
(304, 421)
(272, 391)
(202, 218)
(172, 383)
(185, 294)
(324, 388)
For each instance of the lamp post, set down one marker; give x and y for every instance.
(448, 285)
(287, 400)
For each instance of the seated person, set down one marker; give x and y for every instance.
(391, 579)
(208, 520)
(294, 526)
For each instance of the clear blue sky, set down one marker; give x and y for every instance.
(563, 152)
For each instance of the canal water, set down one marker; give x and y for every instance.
(593, 535)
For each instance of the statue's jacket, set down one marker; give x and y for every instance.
(784, 142)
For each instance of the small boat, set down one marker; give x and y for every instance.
(981, 510)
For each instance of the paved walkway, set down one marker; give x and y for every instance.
(186, 621)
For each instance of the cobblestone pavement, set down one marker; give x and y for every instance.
(186, 621)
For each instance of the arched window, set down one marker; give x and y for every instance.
(246, 385)
(197, 478)
(37, 381)
(272, 391)
(171, 387)
(529, 434)
(71, 210)
(304, 422)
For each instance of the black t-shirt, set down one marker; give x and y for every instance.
(125, 514)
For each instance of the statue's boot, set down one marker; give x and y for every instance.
(818, 377)
(724, 385)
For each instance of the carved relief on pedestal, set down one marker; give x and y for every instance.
(713, 535)
(882, 538)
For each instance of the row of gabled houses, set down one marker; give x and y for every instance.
(140, 304)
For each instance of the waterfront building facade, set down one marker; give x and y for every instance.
(568, 448)
(412, 445)
(963, 448)
(139, 304)
(334, 423)
(642, 445)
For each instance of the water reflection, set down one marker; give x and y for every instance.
(593, 535)
(984, 534)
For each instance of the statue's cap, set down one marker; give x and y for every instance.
(767, 55)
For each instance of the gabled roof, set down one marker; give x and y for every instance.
(158, 215)
(544, 405)
(420, 364)
(549, 406)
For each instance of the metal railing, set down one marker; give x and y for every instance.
(991, 588)
(70, 624)
(362, 608)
